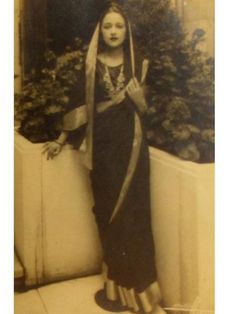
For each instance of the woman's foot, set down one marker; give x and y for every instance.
(110, 306)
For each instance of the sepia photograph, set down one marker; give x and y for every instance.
(114, 156)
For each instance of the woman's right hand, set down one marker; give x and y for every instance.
(52, 149)
(136, 93)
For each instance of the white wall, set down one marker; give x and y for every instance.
(56, 236)
(55, 232)
(183, 226)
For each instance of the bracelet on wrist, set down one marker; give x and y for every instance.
(61, 144)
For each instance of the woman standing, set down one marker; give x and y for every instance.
(117, 154)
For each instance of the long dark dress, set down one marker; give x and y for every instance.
(127, 240)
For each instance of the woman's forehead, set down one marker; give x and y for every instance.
(113, 17)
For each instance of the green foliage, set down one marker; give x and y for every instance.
(181, 81)
(44, 98)
(180, 118)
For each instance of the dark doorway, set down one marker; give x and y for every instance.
(69, 19)
(54, 24)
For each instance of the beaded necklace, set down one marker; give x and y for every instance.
(120, 81)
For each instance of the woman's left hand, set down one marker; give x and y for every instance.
(136, 94)
(52, 149)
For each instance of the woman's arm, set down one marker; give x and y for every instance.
(52, 149)
(72, 121)
(73, 118)
(62, 137)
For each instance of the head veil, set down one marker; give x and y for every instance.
(90, 70)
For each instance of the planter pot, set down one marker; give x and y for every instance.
(55, 232)
(182, 195)
(56, 236)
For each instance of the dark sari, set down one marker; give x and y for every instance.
(126, 235)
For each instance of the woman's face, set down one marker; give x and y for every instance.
(113, 29)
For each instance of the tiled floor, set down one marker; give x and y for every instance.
(69, 297)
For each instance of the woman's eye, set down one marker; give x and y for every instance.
(107, 26)
(120, 26)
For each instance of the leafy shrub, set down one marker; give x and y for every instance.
(181, 82)
(44, 98)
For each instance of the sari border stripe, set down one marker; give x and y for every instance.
(132, 165)
(145, 301)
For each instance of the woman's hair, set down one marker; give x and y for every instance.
(114, 8)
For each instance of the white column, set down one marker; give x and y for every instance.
(178, 6)
(198, 14)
